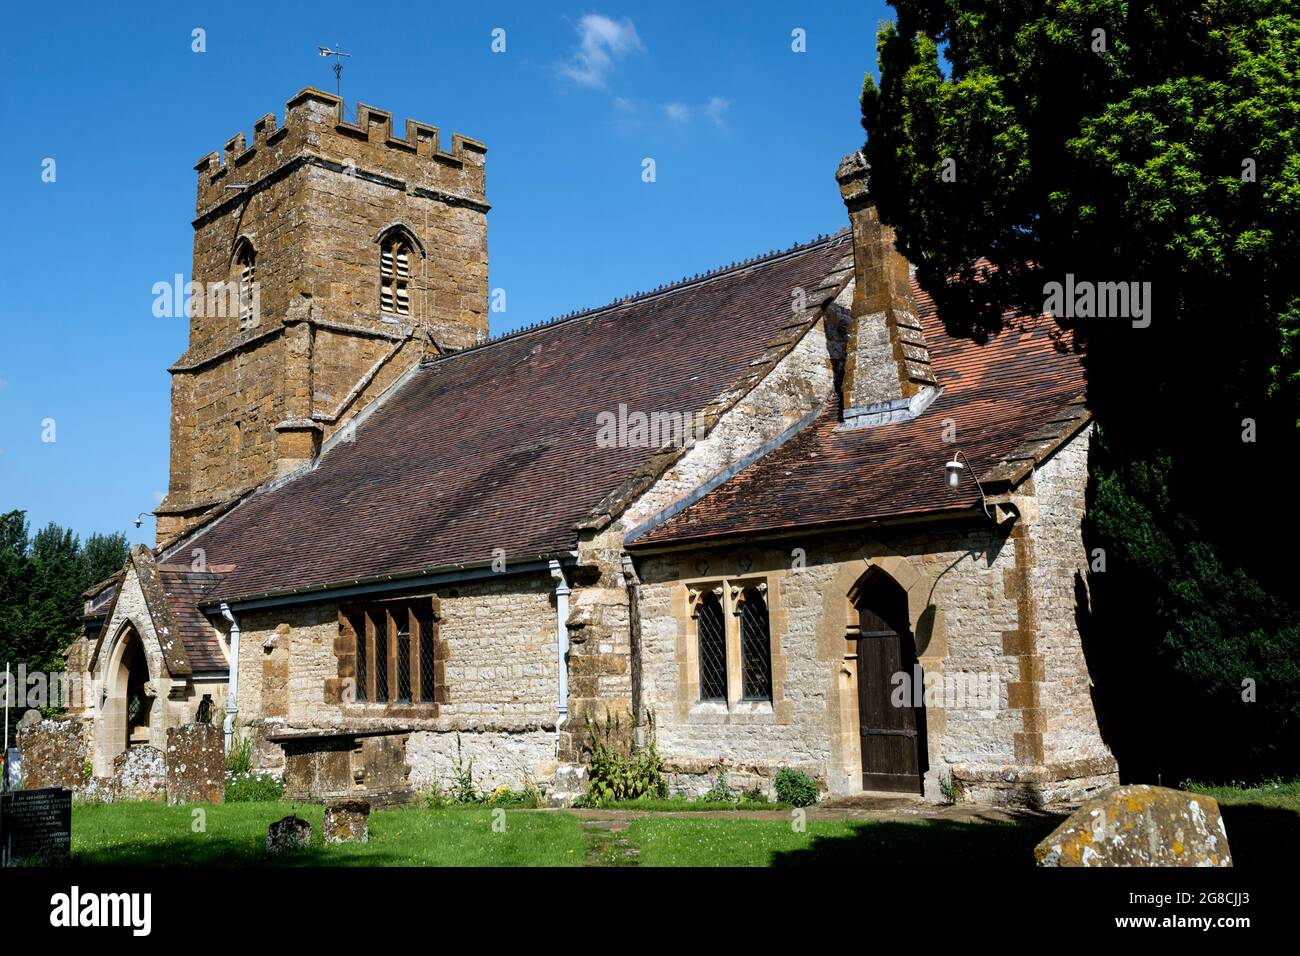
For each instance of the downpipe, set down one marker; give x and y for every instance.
(232, 685)
(562, 592)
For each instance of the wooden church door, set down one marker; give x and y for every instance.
(892, 736)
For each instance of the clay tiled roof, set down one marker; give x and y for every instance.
(495, 446)
(186, 590)
(1011, 401)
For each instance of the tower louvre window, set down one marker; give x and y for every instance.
(246, 276)
(394, 273)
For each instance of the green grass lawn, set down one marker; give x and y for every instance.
(1278, 794)
(1263, 822)
(679, 841)
(153, 834)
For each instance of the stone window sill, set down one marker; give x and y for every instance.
(730, 711)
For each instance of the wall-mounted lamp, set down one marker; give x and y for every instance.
(139, 519)
(953, 471)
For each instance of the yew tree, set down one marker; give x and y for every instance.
(1020, 143)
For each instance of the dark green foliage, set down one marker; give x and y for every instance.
(619, 770)
(1179, 637)
(42, 578)
(794, 787)
(463, 790)
(721, 791)
(103, 555)
(1134, 163)
(253, 787)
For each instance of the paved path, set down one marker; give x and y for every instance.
(861, 807)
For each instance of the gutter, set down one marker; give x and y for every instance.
(381, 584)
(232, 687)
(562, 592)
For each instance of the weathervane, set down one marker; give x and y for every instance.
(338, 66)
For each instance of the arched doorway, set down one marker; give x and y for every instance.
(128, 706)
(891, 708)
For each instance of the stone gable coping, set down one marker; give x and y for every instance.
(155, 596)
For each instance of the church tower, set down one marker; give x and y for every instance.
(329, 257)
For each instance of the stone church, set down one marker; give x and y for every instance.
(771, 515)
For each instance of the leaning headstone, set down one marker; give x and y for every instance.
(287, 835)
(54, 752)
(347, 821)
(36, 826)
(196, 764)
(1139, 826)
(140, 773)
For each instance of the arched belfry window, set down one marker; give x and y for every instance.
(395, 254)
(711, 628)
(245, 274)
(755, 646)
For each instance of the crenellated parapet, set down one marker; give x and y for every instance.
(316, 131)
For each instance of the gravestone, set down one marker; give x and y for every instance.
(1139, 825)
(287, 835)
(140, 773)
(54, 752)
(36, 825)
(196, 764)
(347, 821)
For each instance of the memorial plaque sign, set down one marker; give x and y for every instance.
(35, 825)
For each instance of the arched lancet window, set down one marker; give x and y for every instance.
(755, 647)
(710, 627)
(395, 256)
(245, 273)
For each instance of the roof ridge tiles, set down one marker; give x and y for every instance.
(686, 282)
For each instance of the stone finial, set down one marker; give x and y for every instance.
(854, 177)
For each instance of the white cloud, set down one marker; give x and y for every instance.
(716, 109)
(677, 112)
(624, 105)
(159, 496)
(600, 42)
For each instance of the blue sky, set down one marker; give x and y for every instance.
(745, 134)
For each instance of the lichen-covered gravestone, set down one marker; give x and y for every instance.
(347, 821)
(1139, 826)
(54, 752)
(287, 835)
(140, 773)
(196, 764)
